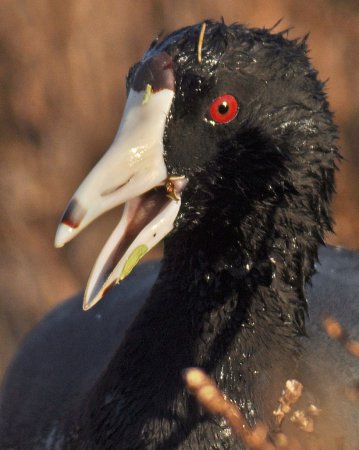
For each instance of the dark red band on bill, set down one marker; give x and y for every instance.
(74, 214)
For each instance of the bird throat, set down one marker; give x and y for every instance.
(214, 308)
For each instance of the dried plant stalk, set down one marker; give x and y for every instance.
(352, 347)
(200, 42)
(335, 330)
(290, 395)
(282, 442)
(313, 410)
(211, 398)
(304, 422)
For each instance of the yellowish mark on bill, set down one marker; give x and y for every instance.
(147, 94)
(133, 259)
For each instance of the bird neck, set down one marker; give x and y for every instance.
(216, 305)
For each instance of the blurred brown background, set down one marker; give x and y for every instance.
(62, 70)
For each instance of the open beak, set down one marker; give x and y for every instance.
(133, 172)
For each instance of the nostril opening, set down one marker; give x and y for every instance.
(115, 188)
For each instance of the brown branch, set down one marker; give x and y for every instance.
(303, 421)
(211, 398)
(335, 330)
(290, 395)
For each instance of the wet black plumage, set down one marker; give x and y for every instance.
(232, 289)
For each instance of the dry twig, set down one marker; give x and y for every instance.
(303, 421)
(212, 399)
(290, 395)
(313, 410)
(259, 437)
(200, 42)
(335, 330)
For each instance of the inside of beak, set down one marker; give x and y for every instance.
(146, 220)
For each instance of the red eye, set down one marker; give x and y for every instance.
(224, 109)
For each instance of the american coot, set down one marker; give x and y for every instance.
(227, 149)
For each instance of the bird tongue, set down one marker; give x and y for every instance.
(145, 221)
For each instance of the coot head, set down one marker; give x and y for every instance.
(220, 140)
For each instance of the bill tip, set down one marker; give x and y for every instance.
(91, 298)
(63, 235)
(86, 306)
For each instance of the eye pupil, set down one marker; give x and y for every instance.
(223, 108)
